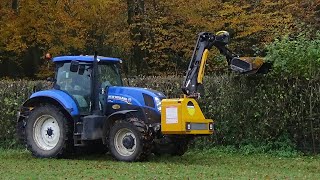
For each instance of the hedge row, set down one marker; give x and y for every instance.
(12, 96)
(249, 110)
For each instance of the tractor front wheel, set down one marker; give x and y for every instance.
(130, 140)
(48, 132)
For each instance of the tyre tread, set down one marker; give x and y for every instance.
(67, 146)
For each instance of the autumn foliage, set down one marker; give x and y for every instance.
(153, 37)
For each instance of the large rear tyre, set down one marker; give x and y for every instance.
(130, 140)
(48, 133)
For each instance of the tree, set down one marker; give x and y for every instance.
(41, 27)
(138, 33)
(154, 37)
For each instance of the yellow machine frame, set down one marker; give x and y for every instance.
(184, 116)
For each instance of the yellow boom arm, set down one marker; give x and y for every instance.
(202, 66)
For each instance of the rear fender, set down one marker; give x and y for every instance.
(56, 96)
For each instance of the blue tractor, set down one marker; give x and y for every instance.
(88, 103)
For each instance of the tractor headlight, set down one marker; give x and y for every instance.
(158, 103)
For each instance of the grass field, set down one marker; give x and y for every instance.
(211, 164)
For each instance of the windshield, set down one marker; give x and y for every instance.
(109, 75)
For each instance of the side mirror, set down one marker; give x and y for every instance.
(74, 67)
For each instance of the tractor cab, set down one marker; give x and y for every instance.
(74, 75)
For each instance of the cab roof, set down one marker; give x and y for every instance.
(85, 59)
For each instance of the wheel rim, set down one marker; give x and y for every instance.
(46, 132)
(120, 141)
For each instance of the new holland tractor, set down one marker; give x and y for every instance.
(88, 105)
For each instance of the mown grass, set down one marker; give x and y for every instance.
(210, 164)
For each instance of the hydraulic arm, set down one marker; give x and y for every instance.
(192, 83)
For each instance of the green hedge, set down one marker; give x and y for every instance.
(12, 94)
(257, 111)
(264, 110)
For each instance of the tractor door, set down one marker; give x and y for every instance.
(109, 75)
(76, 84)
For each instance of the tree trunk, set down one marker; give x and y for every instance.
(15, 5)
(136, 19)
(31, 61)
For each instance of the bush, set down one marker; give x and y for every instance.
(258, 110)
(296, 56)
(13, 94)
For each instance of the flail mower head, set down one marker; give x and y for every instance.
(250, 65)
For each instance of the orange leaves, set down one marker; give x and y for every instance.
(165, 30)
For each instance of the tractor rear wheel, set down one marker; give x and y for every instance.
(48, 132)
(130, 140)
